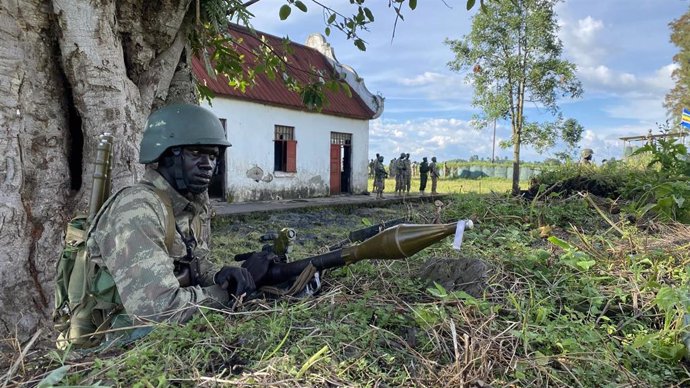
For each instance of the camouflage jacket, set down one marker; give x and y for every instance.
(433, 170)
(129, 239)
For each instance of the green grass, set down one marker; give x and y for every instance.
(457, 185)
(578, 297)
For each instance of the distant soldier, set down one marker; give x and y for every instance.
(400, 175)
(379, 177)
(415, 168)
(407, 178)
(423, 174)
(433, 171)
(393, 168)
(586, 156)
(371, 167)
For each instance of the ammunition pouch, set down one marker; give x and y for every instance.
(187, 271)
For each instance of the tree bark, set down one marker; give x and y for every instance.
(69, 71)
(34, 163)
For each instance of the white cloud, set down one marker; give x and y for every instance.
(444, 138)
(582, 41)
(422, 79)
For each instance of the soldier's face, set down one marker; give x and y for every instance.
(199, 163)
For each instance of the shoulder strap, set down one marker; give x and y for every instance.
(169, 216)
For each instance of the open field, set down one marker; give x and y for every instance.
(480, 186)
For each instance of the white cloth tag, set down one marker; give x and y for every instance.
(459, 231)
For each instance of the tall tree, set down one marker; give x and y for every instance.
(679, 97)
(513, 52)
(73, 69)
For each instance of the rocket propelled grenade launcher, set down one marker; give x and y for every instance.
(397, 242)
(101, 174)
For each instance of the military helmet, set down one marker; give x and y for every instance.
(180, 125)
(587, 152)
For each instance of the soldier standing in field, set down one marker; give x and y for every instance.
(379, 177)
(400, 174)
(423, 174)
(393, 170)
(407, 179)
(433, 171)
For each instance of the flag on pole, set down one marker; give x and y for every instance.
(685, 120)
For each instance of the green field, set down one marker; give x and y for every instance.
(456, 186)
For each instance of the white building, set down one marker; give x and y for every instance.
(280, 149)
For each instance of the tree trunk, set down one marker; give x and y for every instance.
(70, 71)
(35, 168)
(516, 164)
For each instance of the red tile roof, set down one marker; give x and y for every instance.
(274, 92)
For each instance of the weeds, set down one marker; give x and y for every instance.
(577, 296)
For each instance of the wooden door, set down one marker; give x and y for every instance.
(335, 169)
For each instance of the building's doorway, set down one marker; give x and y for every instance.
(341, 162)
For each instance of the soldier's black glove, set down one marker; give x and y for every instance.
(258, 264)
(235, 279)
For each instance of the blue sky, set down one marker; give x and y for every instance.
(621, 49)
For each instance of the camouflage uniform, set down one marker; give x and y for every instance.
(407, 177)
(380, 177)
(129, 239)
(400, 168)
(393, 169)
(433, 171)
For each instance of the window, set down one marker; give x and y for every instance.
(285, 149)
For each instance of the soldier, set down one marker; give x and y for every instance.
(400, 174)
(379, 177)
(433, 171)
(423, 174)
(407, 178)
(180, 147)
(586, 156)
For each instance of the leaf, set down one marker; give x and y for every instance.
(301, 6)
(559, 243)
(284, 12)
(328, 31)
(586, 264)
(678, 200)
(331, 18)
(360, 44)
(667, 298)
(470, 4)
(369, 14)
(413, 4)
(539, 357)
(54, 377)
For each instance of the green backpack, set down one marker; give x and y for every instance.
(86, 298)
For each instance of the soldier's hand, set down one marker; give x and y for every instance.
(236, 280)
(258, 264)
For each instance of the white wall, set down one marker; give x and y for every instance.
(250, 128)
